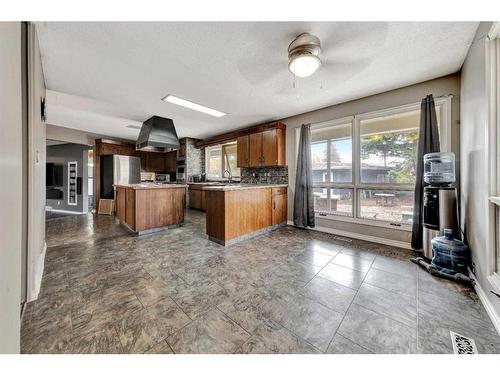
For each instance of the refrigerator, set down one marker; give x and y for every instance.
(118, 169)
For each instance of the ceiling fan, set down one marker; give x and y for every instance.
(304, 55)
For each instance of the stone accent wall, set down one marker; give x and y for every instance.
(266, 175)
(195, 159)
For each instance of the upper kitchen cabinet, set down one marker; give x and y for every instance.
(258, 146)
(255, 150)
(243, 152)
(262, 149)
(273, 147)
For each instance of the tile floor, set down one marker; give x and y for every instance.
(289, 291)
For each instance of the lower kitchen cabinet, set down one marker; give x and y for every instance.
(197, 199)
(279, 205)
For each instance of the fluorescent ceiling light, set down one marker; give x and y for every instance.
(196, 107)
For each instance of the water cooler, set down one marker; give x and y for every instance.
(440, 209)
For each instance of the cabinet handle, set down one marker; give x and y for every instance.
(274, 205)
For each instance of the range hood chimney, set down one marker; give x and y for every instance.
(157, 134)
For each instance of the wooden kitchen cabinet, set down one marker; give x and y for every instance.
(197, 199)
(262, 149)
(255, 150)
(243, 152)
(279, 205)
(171, 161)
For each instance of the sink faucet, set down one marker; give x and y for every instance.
(229, 174)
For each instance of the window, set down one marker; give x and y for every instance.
(364, 166)
(331, 154)
(219, 159)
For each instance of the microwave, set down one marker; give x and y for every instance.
(162, 178)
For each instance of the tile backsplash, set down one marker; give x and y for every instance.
(265, 175)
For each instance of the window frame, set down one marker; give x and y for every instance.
(356, 185)
(493, 153)
(223, 161)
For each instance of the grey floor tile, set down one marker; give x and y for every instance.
(392, 282)
(196, 300)
(376, 332)
(335, 296)
(397, 266)
(343, 275)
(341, 345)
(354, 262)
(359, 253)
(273, 338)
(211, 333)
(161, 348)
(307, 318)
(396, 306)
(315, 258)
(105, 291)
(245, 308)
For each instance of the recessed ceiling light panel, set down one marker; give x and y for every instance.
(194, 106)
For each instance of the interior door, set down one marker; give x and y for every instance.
(242, 152)
(255, 149)
(269, 148)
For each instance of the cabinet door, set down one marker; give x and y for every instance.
(278, 208)
(269, 148)
(171, 161)
(196, 199)
(203, 201)
(255, 149)
(120, 203)
(156, 162)
(243, 159)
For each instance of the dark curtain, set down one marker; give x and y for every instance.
(303, 208)
(428, 141)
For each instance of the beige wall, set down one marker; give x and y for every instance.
(36, 167)
(11, 162)
(406, 95)
(474, 124)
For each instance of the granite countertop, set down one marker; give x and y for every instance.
(150, 185)
(229, 187)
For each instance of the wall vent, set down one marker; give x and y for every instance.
(462, 344)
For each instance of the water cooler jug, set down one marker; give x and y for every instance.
(440, 199)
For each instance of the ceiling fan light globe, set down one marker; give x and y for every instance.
(304, 65)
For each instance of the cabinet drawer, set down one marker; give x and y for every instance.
(280, 190)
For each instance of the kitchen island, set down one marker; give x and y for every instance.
(147, 208)
(236, 212)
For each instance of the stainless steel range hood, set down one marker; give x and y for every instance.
(157, 134)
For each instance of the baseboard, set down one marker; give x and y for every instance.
(67, 212)
(359, 236)
(38, 276)
(495, 318)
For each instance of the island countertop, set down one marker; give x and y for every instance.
(230, 187)
(145, 186)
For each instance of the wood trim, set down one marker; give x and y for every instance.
(232, 136)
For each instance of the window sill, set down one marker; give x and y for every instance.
(495, 200)
(373, 223)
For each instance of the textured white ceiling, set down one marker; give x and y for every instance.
(105, 76)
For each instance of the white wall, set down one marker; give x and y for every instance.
(406, 95)
(473, 146)
(11, 138)
(36, 167)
